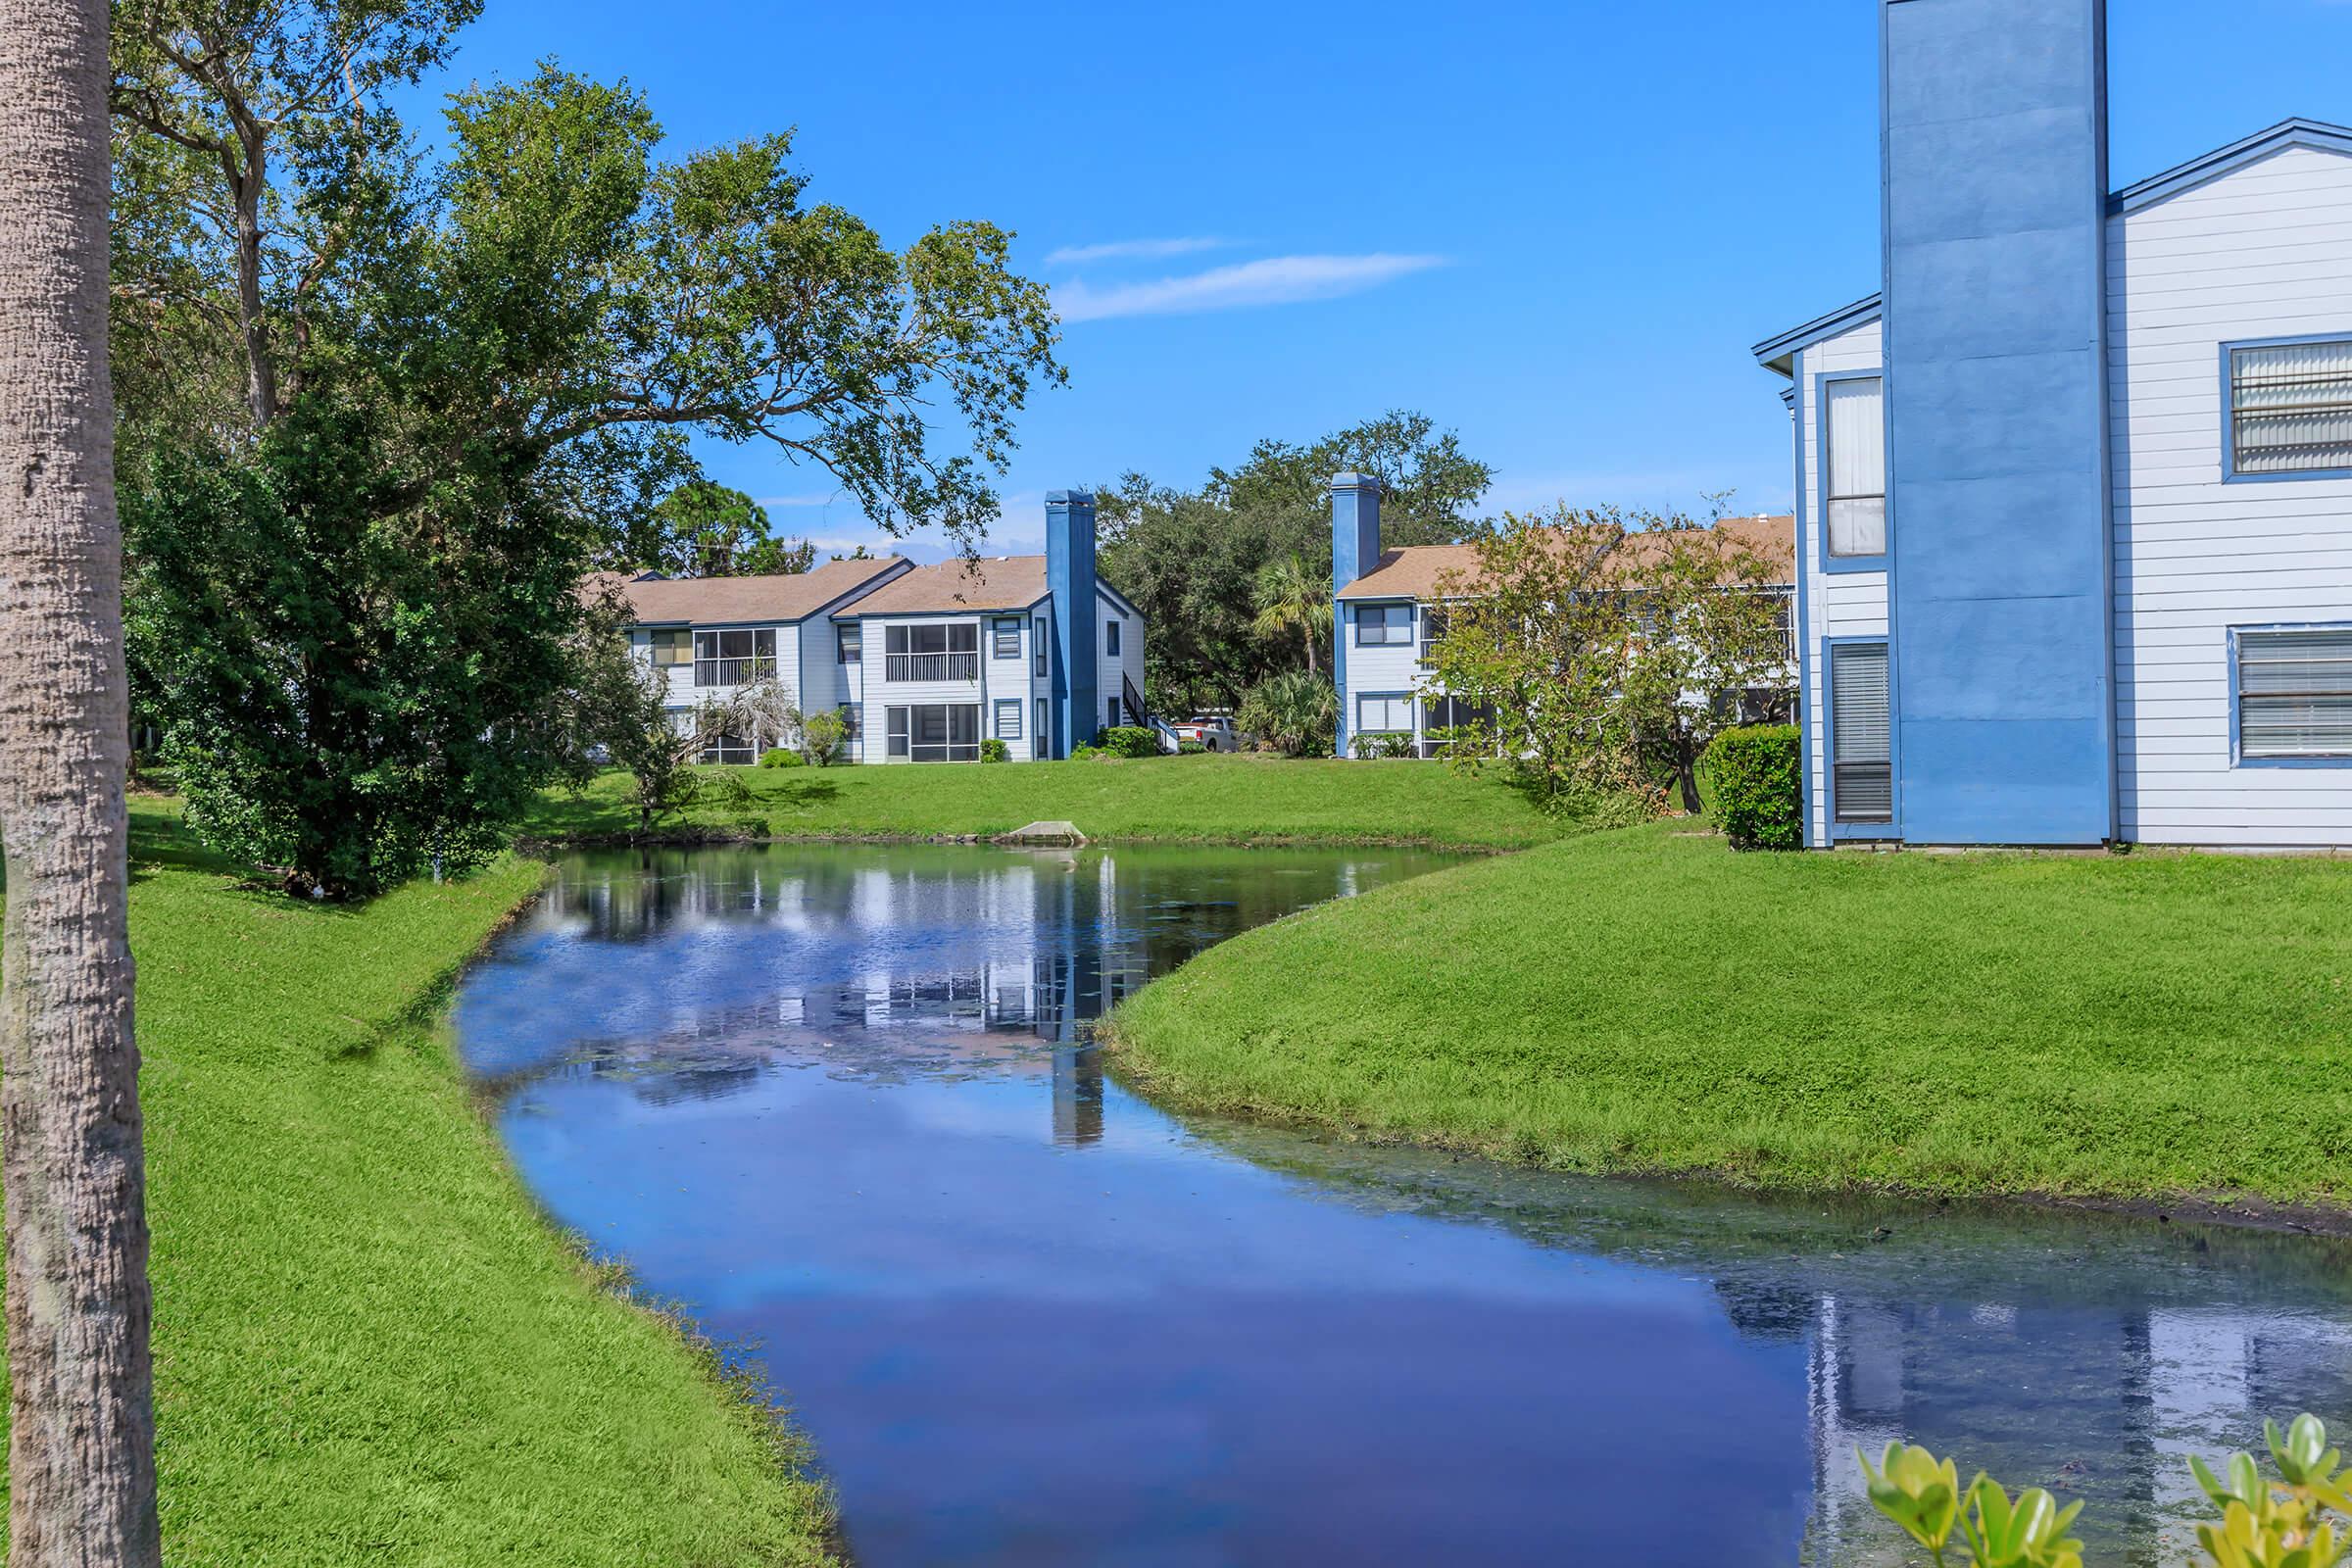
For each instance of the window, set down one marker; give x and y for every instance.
(1854, 419)
(1008, 719)
(673, 648)
(2294, 694)
(1433, 630)
(1383, 712)
(1007, 638)
(1441, 716)
(1110, 639)
(936, 732)
(1037, 644)
(2291, 407)
(849, 721)
(932, 650)
(1110, 713)
(894, 727)
(1041, 743)
(732, 658)
(1862, 776)
(1384, 625)
(848, 643)
(728, 748)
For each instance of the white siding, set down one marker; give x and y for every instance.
(1130, 661)
(883, 693)
(1008, 680)
(1389, 667)
(685, 696)
(1844, 604)
(2263, 252)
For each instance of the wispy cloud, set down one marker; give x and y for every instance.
(1123, 250)
(1275, 280)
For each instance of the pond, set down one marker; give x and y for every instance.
(839, 1099)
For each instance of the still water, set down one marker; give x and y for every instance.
(837, 1098)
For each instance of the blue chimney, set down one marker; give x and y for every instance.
(1077, 613)
(1994, 149)
(1355, 551)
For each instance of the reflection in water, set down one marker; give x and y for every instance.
(840, 1100)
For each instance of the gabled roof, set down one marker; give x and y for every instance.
(997, 582)
(1416, 570)
(736, 601)
(1776, 353)
(2315, 133)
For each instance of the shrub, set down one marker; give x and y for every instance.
(1128, 740)
(1296, 713)
(822, 735)
(1190, 749)
(782, 757)
(1753, 775)
(2298, 1519)
(993, 749)
(1383, 746)
(1086, 753)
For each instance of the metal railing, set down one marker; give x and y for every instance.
(931, 666)
(732, 671)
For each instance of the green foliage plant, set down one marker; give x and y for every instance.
(1128, 740)
(1387, 746)
(1296, 713)
(1754, 775)
(782, 757)
(2264, 1523)
(993, 749)
(824, 736)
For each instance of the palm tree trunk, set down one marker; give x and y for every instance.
(81, 1459)
(1311, 667)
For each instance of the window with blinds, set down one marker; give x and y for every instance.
(2294, 693)
(2291, 407)
(1862, 776)
(1854, 415)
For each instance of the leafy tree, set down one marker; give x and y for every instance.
(1292, 600)
(354, 589)
(1191, 559)
(705, 529)
(1599, 648)
(1538, 640)
(1710, 632)
(822, 734)
(622, 710)
(81, 1438)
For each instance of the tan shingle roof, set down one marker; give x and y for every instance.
(1001, 582)
(1415, 572)
(729, 601)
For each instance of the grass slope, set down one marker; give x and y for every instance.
(370, 1348)
(1200, 800)
(1646, 1000)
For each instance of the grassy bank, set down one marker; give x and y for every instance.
(1646, 1000)
(370, 1348)
(1194, 799)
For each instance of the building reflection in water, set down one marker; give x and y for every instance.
(908, 960)
(2088, 1354)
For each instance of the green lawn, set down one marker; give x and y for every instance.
(1647, 1001)
(1198, 799)
(370, 1348)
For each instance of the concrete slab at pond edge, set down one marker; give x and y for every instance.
(1060, 834)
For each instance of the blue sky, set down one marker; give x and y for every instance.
(1556, 229)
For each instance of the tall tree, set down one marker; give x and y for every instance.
(82, 1438)
(1295, 602)
(705, 529)
(1191, 558)
(353, 594)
